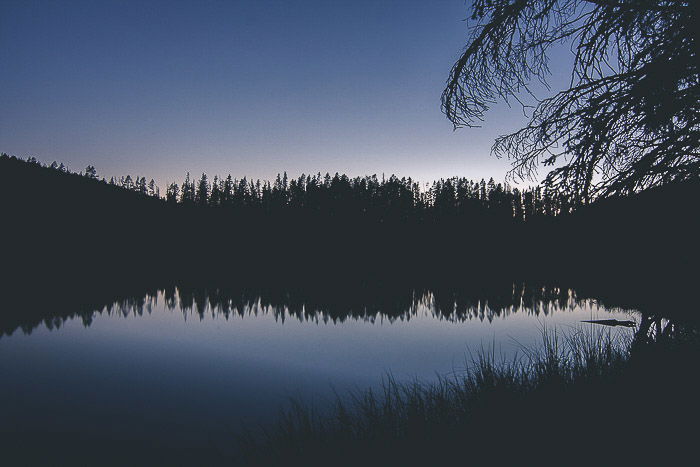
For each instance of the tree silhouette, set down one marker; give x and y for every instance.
(127, 183)
(172, 194)
(629, 119)
(141, 185)
(90, 171)
(203, 191)
(187, 191)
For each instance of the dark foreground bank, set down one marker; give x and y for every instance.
(600, 398)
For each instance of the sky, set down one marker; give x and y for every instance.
(250, 88)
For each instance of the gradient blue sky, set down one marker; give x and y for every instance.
(243, 87)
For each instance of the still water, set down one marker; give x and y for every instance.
(170, 370)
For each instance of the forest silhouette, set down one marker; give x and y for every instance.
(343, 243)
(372, 197)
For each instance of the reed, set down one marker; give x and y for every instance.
(455, 418)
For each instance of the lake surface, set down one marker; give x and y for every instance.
(187, 370)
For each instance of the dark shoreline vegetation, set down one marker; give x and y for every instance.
(86, 243)
(75, 245)
(585, 397)
(72, 233)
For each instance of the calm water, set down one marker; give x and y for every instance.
(172, 371)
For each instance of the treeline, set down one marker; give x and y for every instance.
(370, 196)
(68, 233)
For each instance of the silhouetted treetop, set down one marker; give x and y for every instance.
(340, 196)
(629, 119)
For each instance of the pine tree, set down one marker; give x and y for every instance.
(215, 197)
(202, 196)
(172, 193)
(227, 192)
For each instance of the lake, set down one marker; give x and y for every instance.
(182, 371)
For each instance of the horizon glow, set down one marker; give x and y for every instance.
(159, 89)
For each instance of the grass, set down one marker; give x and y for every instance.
(579, 392)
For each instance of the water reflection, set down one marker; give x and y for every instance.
(181, 365)
(367, 304)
